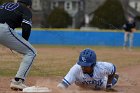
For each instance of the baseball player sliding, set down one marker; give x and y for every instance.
(13, 15)
(87, 73)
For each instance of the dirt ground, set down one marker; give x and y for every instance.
(129, 81)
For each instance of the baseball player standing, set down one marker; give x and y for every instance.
(87, 73)
(130, 28)
(13, 15)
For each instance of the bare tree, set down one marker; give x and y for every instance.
(3, 1)
(45, 6)
(46, 10)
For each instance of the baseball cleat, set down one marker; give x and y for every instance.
(17, 85)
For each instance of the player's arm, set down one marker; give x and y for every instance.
(69, 78)
(125, 27)
(26, 30)
(26, 23)
(110, 79)
(133, 28)
(63, 85)
(110, 73)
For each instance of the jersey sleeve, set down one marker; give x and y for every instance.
(70, 78)
(133, 25)
(26, 30)
(27, 17)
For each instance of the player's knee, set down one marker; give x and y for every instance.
(34, 53)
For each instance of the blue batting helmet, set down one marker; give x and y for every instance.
(27, 2)
(87, 58)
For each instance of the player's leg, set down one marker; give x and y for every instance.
(125, 39)
(116, 77)
(12, 40)
(131, 40)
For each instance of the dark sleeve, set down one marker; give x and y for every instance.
(26, 30)
(27, 16)
(26, 23)
(134, 25)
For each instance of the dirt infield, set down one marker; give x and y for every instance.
(127, 62)
(128, 83)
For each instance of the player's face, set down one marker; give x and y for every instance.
(130, 19)
(87, 70)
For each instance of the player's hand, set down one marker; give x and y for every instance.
(133, 29)
(61, 86)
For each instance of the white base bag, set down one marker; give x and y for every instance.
(36, 89)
